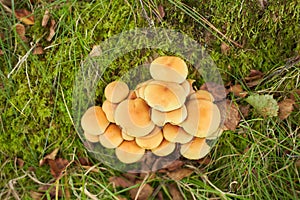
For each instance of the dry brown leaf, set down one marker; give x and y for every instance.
(173, 189)
(145, 193)
(179, 174)
(50, 156)
(84, 161)
(90, 168)
(161, 12)
(120, 182)
(253, 78)
(238, 91)
(52, 30)
(119, 197)
(225, 48)
(174, 165)
(20, 162)
(38, 51)
(51, 190)
(295, 95)
(204, 161)
(285, 108)
(244, 110)
(130, 176)
(36, 195)
(24, 16)
(46, 18)
(57, 166)
(1, 52)
(232, 116)
(20, 29)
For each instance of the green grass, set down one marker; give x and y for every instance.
(257, 161)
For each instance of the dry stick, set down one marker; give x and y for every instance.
(5, 7)
(12, 188)
(141, 186)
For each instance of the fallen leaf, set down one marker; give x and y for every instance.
(90, 168)
(265, 105)
(1, 52)
(173, 189)
(174, 165)
(20, 30)
(52, 30)
(253, 78)
(120, 182)
(295, 95)
(238, 91)
(51, 189)
(179, 174)
(24, 16)
(84, 161)
(20, 162)
(244, 110)
(160, 195)
(225, 48)
(38, 51)
(204, 161)
(130, 176)
(285, 108)
(50, 156)
(119, 197)
(36, 195)
(218, 91)
(161, 12)
(232, 116)
(57, 166)
(143, 194)
(46, 18)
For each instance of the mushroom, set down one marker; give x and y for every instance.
(164, 96)
(127, 136)
(203, 118)
(195, 149)
(129, 152)
(215, 134)
(174, 133)
(140, 88)
(152, 140)
(94, 121)
(112, 137)
(109, 109)
(202, 94)
(169, 68)
(131, 95)
(133, 115)
(116, 91)
(165, 148)
(186, 87)
(174, 117)
(91, 138)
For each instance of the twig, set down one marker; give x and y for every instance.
(5, 7)
(150, 21)
(141, 186)
(12, 188)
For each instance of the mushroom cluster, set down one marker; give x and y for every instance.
(157, 115)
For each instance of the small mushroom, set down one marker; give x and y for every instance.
(134, 117)
(116, 91)
(164, 96)
(109, 109)
(174, 117)
(174, 133)
(169, 68)
(112, 137)
(94, 121)
(129, 152)
(126, 136)
(186, 87)
(215, 134)
(140, 88)
(202, 94)
(152, 140)
(131, 95)
(203, 118)
(91, 138)
(195, 149)
(165, 148)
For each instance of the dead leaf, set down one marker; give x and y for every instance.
(161, 11)
(160, 195)
(173, 189)
(51, 189)
(1, 52)
(46, 18)
(204, 161)
(296, 97)
(119, 197)
(50, 156)
(52, 30)
(84, 161)
(120, 182)
(238, 91)
(225, 48)
(90, 168)
(174, 165)
(36, 195)
(232, 116)
(145, 193)
(179, 174)
(38, 50)
(20, 162)
(130, 176)
(57, 166)
(253, 78)
(244, 110)
(20, 29)
(25, 16)
(285, 108)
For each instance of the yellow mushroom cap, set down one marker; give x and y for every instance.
(109, 109)
(174, 117)
(129, 152)
(94, 121)
(195, 149)
(202, 94)
(174, 133)
(164, 96)
(203, 118)
(116, 91)
(127, 136)
(152, 140)
(112, 137)
(165, 148)
(169, 68)
(91, 138)
(133, 115)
